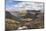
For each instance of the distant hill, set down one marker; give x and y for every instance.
(30, 14)
(10, 16)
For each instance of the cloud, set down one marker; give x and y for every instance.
(25, 6)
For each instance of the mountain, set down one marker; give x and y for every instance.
(10, 16)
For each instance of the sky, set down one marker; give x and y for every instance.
(14, 5)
